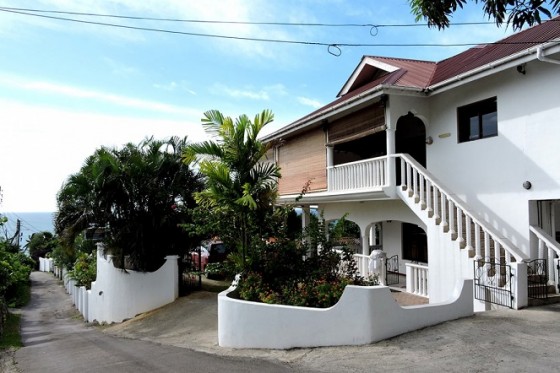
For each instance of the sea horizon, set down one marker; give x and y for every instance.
(31, 222)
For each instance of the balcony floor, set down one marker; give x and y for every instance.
(398, 291)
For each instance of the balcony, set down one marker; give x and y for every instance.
(367, 174)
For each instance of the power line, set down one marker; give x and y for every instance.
(333, 48)
(143, 18)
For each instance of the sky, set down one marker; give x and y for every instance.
(67, 88)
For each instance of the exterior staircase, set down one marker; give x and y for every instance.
(499, 269)
(488, 254)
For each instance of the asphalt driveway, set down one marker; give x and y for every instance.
(182, 337)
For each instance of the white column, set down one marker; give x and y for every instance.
(391, 169)
(330, 163)
(305, 216)
(330, 155)
(365, 243)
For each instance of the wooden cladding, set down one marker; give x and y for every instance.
(359, 124)
(303, 158)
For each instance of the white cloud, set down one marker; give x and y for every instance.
(77, 92)
(174, 86)
(237, 93)
(121, 69)
(263, 94)
(40, 147)
(309, 102)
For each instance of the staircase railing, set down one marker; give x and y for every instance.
(477, 236)
(547, 248)
(545, 241)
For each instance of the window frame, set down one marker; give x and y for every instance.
(477, 110)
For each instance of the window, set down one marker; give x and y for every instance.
(414, 243)
(478, 121)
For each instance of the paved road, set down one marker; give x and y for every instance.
(57, 340)
(186, 333)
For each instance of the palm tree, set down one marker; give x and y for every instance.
(140, 194)
(238, 181)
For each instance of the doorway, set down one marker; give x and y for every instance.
(410, 138)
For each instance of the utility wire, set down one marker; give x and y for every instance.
(234, 22)
(333, 48)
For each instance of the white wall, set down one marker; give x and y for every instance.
(488, 174)
(390, 212)
(243, 324)
(117, 295)
(46, 264)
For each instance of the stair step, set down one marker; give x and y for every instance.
(552, 299)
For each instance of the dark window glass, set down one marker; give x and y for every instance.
(478, 120)
(414, 243)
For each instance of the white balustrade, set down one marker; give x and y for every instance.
(366, 174)
(417, 279)
(548, 248)
(450, 214)
(362, 262)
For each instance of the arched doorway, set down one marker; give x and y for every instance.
(410, 137)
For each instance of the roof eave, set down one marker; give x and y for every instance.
(493, 67)
(321, 115)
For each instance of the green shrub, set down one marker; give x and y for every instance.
(15, 269)
(218, 271)
(309, 273)
(85, 270)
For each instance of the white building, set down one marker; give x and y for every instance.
(453, 167)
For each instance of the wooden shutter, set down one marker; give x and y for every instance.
(303, 158)
(359, 124)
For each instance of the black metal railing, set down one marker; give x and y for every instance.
(537, 279)
(492, 282)
(392, 270)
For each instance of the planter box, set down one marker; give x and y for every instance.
(364, 314)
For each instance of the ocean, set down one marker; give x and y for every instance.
(31, 222)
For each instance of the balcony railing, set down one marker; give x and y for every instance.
(417, 279)
(360, 175)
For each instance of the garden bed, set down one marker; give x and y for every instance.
(364, 314)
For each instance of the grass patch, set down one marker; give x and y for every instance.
(12, 335)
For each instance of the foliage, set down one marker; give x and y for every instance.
(84, 271)
(10, 334)
(15, 268)
(138, 194)
(307, 272)
(240, 185)
(218, 271)
(40, 244)
(518, 12)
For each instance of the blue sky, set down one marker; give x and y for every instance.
(67, 88)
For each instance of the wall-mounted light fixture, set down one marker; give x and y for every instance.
(527, 185)
(521, 69)
(429, 140)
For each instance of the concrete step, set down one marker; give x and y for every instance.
(552, 299)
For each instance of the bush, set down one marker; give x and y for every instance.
(15, 269)
(310, 272)
(218, 271)
(85, 270)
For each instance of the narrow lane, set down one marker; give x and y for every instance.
(57, 340)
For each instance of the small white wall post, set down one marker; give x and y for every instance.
(520, 285)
